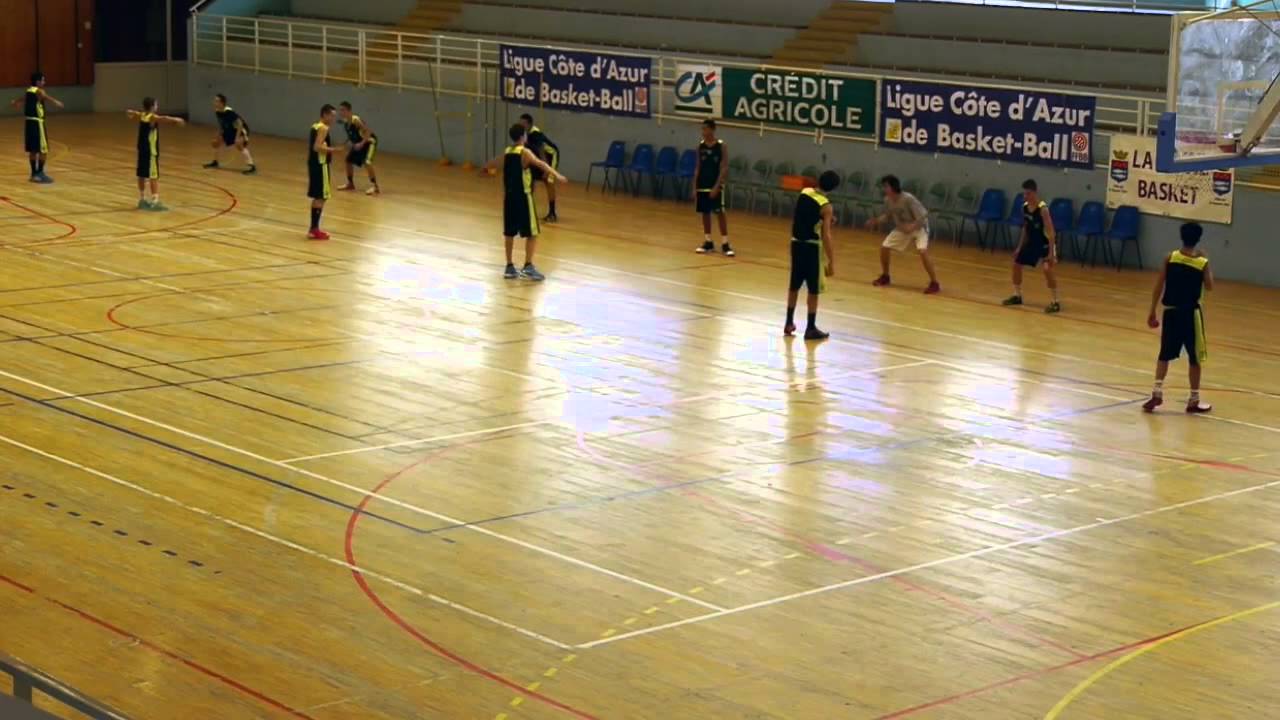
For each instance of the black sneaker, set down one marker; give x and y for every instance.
(814, 333)
(1012, 300)
(706, 247)
(728, 251)
(210, 165)
(550, 218)
(251, 170)
(511, 273)
(1053, 308)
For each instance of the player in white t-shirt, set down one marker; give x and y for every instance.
(910, 227)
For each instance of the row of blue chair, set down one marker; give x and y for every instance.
(1090, 224)
(668, 163)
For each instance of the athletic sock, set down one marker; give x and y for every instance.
(1195, 398)
(791, 315)
(35, 168)
(40, 166)
(553, 207)
(813, 319)
(707, 237)
(1017, 290)
(315, 218)
(1053, 292)
(247, 157)
(1158, 388)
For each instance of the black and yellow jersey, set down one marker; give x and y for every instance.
(516, 178)
(807, 224)
(355, 130)
(148, 135)
(317, 159)
(540, 144)
(710, 158)
(33, 104)
(1033, 221)
(1184, 280)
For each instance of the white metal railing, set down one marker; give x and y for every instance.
(467, 66)
(1144, 6)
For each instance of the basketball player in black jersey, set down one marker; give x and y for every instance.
(812, 256)
(36, 136)
(519, 215)
(1180, 288)
(549, 152)
(1038, 245)
(708, 187)
(148, 171)
(232, 131)
(319, 158)
(364, 147)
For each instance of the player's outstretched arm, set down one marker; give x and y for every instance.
(170, 120)
(132, 114)
(1152, 321)
(533, 160)
(49, 98)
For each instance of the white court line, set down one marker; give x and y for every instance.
(931, 564)
(420, 441)
(286, 543)
(460, 524)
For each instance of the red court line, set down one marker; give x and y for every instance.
(71, 229)
(192, 664)
(1033, 674)
(437, 648)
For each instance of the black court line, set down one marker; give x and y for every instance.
(348, 509)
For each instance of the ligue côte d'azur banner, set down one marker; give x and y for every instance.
(576, 81)
(1013, 125)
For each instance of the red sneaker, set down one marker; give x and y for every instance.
(933, 289)
(1153, 403)
(881, 281)
(317, 234)
(1197, 407)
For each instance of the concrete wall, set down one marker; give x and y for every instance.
(1062, 27)
(386, 12)
(78, 99)
(246, 8)
(794, 13)
(278, 106)
(1119, 69)
(708, 37)
(122, 85)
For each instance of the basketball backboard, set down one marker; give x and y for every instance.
(1223, 94)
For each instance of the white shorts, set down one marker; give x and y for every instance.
(900, 241)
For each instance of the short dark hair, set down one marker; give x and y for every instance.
(326, 109)
(893, 182)
(829, 180)
(1191, 234)
(37, 77)
(1029, 184)
(709, 123)
(517, 131)
(148, 104)
(344, 105)
(222, 97)
(528, 117)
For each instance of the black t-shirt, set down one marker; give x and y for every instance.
(711, 157)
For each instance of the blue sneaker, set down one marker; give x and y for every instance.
(531, 273)
(157, 207)
(144, 204)
(510, 273)
(44, 179)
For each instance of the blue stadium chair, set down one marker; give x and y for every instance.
(685, 169)
(990, 211)
(1091, 226)
(641, 165)
(615, 159)
(1012, 225)
(665, 168)
(1124, 227)
(1063, 213)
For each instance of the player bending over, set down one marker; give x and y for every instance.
(364, 147)
(1180, 287)
(232, 131)
(812, 256)
(149, 122)
(36, 137)
(519, 215)
(1038, 243)
(910, 227)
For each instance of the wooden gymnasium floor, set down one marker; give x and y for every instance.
(248, 476)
